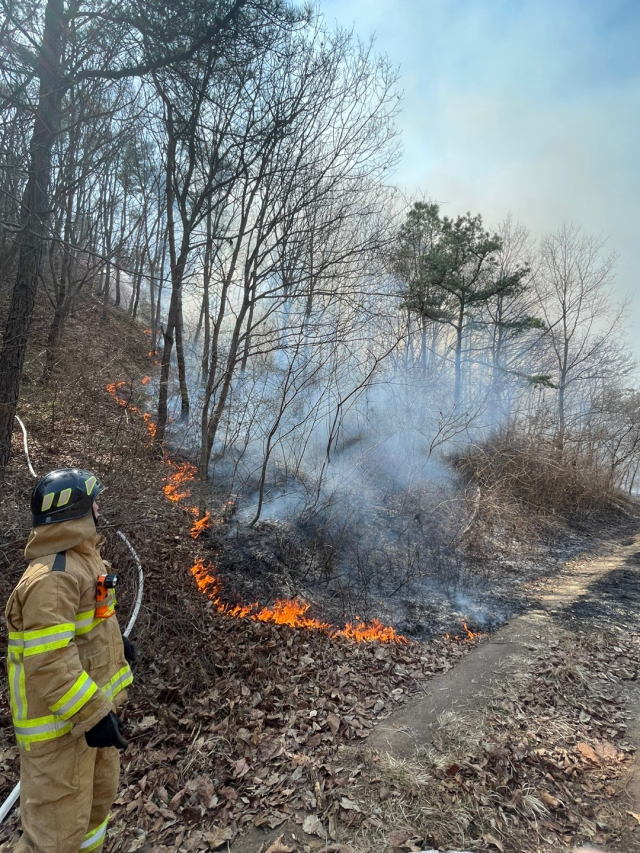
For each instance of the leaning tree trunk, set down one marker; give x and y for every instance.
(34, 216)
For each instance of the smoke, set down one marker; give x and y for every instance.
(350, 452)
(372, 492)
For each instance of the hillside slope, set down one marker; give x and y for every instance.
(237, 725)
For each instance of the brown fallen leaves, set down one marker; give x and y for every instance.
(545, 769)
(259, 745)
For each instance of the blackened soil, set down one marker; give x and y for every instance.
(611, 602)
(273, 561)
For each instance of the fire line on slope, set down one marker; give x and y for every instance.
(292, 612)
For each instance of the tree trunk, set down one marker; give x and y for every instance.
(168, 339)
(34, 215)
(457, 391)
(117, 302)
(247, 339)
(105, 294)
(182, 372)
(137, 286)
(205, 318)
(223, 390)
(55, 330)
(177, 270)
(562, 385)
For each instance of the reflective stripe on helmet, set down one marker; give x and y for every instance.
(65, 497)
(47, 501)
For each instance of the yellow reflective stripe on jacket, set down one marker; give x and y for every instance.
(86, 621)
(40, 729)
(47, 639)
(123, 678)
(28, 643)
(95, 837)
(17, 686)
(77, 696)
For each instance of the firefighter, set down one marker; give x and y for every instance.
(68, 672)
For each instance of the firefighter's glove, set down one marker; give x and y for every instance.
(108, 732)
(130, 653)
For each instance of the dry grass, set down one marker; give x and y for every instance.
(512, 771)
(536, 476)
(521, 489)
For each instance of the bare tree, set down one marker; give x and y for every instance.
(573, 285)
(120, 40)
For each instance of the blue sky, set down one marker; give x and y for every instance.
(527, 107)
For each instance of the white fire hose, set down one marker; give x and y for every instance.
(13, 796)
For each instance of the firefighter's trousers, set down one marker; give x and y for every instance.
(65, 797)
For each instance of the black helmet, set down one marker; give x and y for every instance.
(64, 494)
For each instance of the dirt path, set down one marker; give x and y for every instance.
(593, 596)
(604, 591)
(599, 595)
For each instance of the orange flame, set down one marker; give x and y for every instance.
(201, 525)
(145, 380)
(114, 387)
(374, 630)
(150, 424)
(292, 612)
(175, 489)
(470, 634)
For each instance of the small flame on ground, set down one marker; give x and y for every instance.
(114, 387)
(470, 634)
(150, 424)
(291, 612)
(176, 488)
(201, 525)
(145, 380)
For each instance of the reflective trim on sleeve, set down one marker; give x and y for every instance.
(40, 729)
(48, 639)
(75, 698)
(17, 687)
(86, 621)
(95, 837)
(123, 678)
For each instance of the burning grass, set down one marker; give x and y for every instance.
(291, 612)
(176, 488)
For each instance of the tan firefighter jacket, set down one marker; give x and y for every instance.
(66, 667)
